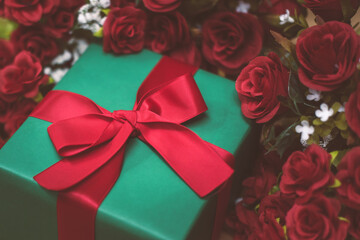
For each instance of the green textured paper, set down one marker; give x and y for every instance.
(149, 201)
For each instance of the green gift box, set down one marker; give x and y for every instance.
(149, 200)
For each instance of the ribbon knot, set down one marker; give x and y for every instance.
(126, 116)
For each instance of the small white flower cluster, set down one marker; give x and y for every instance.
(285, 18)
(58, 73)
(90, 15)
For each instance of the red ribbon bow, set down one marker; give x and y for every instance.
(92, 142)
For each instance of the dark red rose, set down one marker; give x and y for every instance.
(188, 53)
(124, 30)
(122, 3)
(276, 205)
(258, 86)
(317, 219)
(161, 5)
(258, 186)
(306, 173)
(328, 9)
(271, 229)
(279, 7)
(21, 78)
(328, 55)
(166, 31)
(245, 223)
(60, 22)
(30, 11)
(2, 142)
(4, 109)
(36, 40)
(352, 111)
(230, 40)
(17, 115)
(354, 217)
(272, 161)
(349, 176)
(7, 53)
(71, 5)
(2, 6)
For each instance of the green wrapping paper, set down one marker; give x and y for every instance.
(149, 201)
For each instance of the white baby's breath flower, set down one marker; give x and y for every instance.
(324, 112)
(313, 95)
(62, 58)
(58, 74)
(285, 18)
(305, 130)
(243, 7)
(100, 3)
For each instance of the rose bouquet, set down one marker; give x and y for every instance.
(298, 80)
(304, 93)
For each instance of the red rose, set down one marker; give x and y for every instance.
(279, 7)
(354, 217)
(349, 176)
(328, 55)
(60, 22)
(22, 78)
(352, 111)
(2, 6)
(2, 142)
(306, 173)
(17, 114)
(6, 53)
(30, 11)
(161, 5)
(276, 205)
(328, 9)
(245, 223)
(188, 53)
(258, 86)
(4, 109)
(258, 186)
(271, 229)
(36, 40)
(122, 3)
(230, 40)
(71, 5)
(317, 219)
(166, 31)
(124, 30)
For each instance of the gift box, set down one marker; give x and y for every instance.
(149, 200)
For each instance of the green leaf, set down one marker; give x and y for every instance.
(347, 10)
(294, 89)
(283, 41)
(336, 157)
(344, 219)
(284, 140)
(38, 97)
(274, 189)
(336, 184)
(106, 11)
(336, 106)
(317, 122)
(6, 28)
(99, 33)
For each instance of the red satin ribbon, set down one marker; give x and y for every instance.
(92, 141)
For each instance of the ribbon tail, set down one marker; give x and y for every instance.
(77, 206)
(223, 196)
(196, 162)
